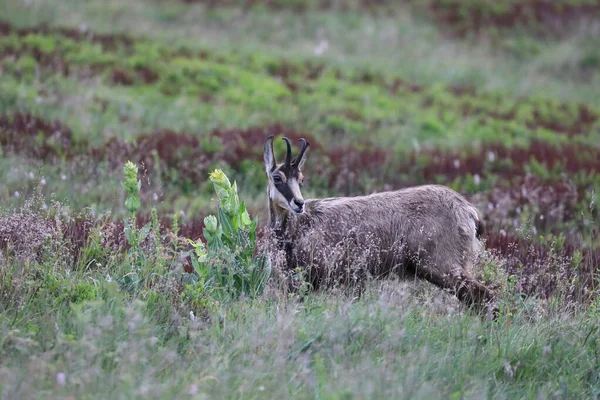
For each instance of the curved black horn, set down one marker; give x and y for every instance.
(288, 156)
(302, 150)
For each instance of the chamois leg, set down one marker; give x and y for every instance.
(468, 290)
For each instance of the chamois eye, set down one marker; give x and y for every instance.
(277, 179)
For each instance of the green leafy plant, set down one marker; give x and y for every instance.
(132, 203)
(135, 237)
(228, 264)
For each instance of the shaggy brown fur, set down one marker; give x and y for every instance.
(428, 232)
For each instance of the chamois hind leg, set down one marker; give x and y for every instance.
(456, 279)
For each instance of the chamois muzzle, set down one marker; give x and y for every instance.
(297, 206)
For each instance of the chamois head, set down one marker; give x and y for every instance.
(286, 178)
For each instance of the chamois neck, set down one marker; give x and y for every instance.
(278, 219)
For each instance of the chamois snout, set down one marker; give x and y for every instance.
(297, 206)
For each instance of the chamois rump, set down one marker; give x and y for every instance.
(429, 232)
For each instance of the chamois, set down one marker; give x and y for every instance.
(429, 232)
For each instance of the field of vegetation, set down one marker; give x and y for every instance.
(132, 266)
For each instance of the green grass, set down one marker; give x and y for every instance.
(358, 39)
(398, 340)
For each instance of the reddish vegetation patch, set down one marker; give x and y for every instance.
(108, 41)
(556, 16)
(29, 236)
(551, 203)
(190, 157)
(550, 194)
(398, 84)
(348, 164)
(507, 162)
(183, 153)
(55, 62)
(297, 6)
(248, 144)
(173, 151)
(25, 235)
(581, 125)
(544, 270)
(35, 137)
(121, 76)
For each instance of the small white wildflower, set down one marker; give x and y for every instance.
(154, 196)
(17, 194)
(193, 389)
(509, 370)
(31, 175)
(490, 206)
(192, 316)
(518, 210)
(476, 179)
(261, 388)
(321, 48)
(182, 213)
(546, 350)
(61, 378)
(108, 278)
(456, 164)
(43, 181)
(502, 233)
(491, 156)
(56, 328)
(524, 191)
(63, 177)
(98, 265)
(541, 217)
(44, 206)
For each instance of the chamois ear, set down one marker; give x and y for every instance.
(301, 158)
(269, 156)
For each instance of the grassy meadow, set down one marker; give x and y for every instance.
(101, 294)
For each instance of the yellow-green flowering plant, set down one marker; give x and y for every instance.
(135, 237)
(228, 261)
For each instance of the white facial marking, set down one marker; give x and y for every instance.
(281, 201)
